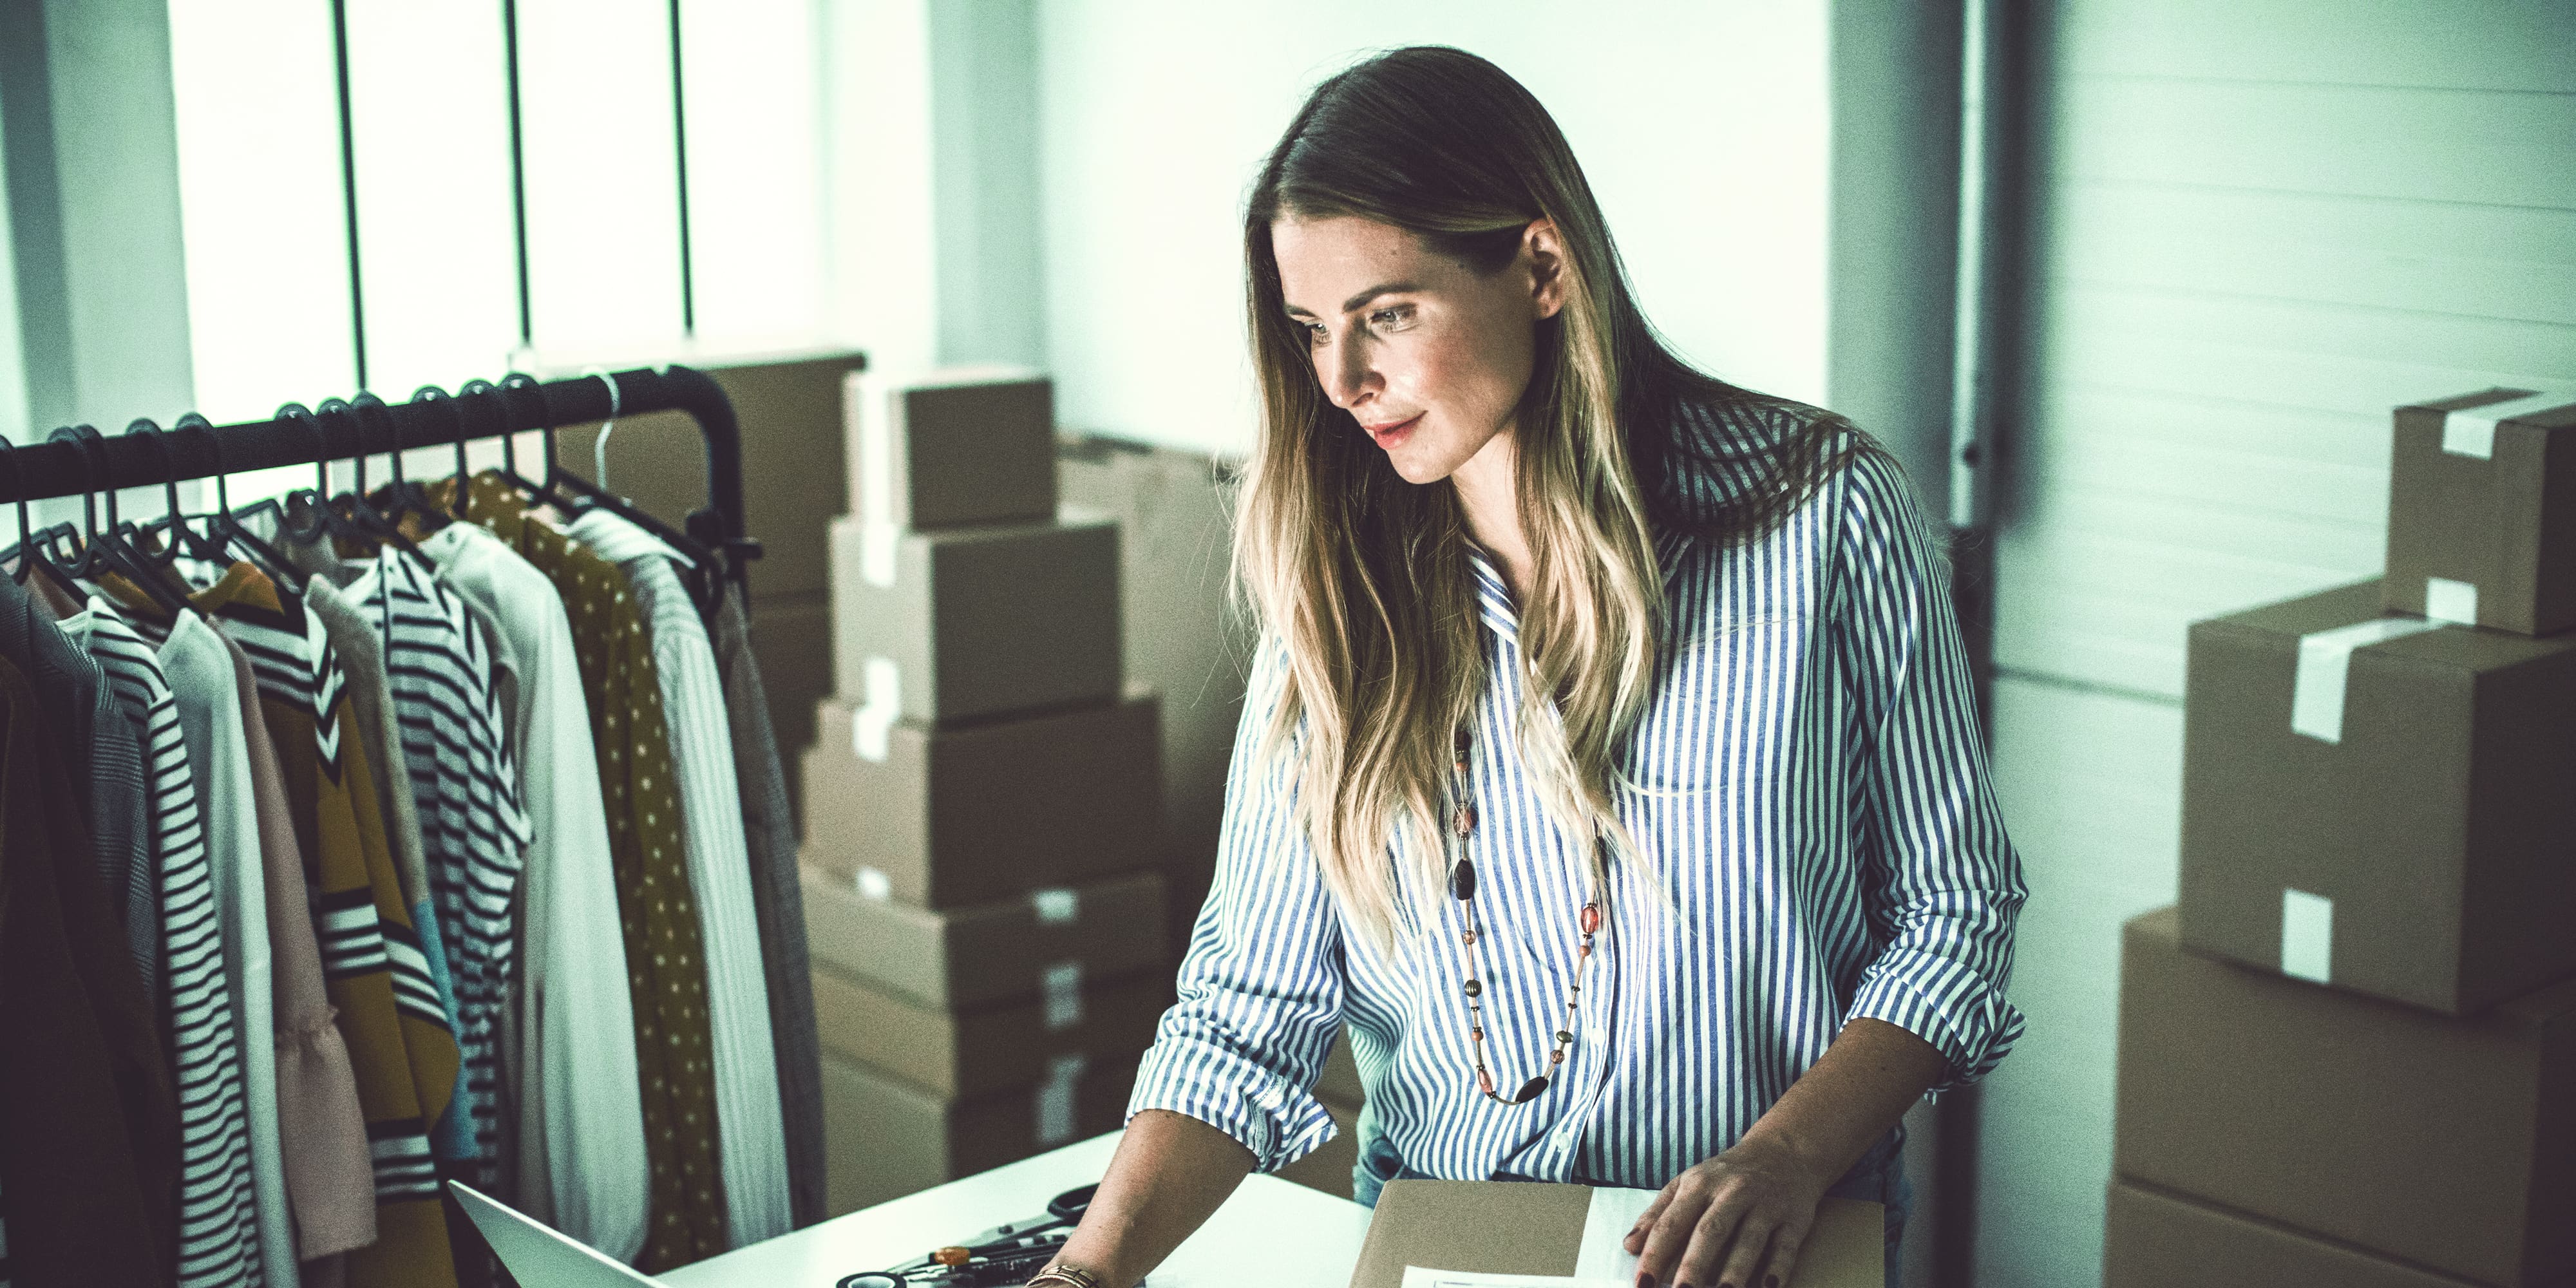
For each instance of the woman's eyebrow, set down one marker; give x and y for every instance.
(1353, 304)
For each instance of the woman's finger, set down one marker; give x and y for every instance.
(1785, 1245)
(1636, 1240)
(1724, 1225)
(1671, 1234)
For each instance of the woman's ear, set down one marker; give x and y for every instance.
(1545, 252)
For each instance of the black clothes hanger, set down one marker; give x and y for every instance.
(302, 515)
(105, 550)
(401, 496)
(511, 386)
(370, 523)
(31, 550)
(703, 576)
(419, 502)
(175, 537)
(227, 529)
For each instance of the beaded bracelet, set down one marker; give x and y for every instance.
(1063, 1277)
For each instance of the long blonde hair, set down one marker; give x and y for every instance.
(1362, 579)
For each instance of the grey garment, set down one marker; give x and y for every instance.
(778, 902)
(76, 701)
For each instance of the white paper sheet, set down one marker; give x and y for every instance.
(1606, 1224)
(1417, 1277)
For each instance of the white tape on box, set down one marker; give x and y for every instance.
(880, 709)
(876, 453)
(1056, 905)
(2307, 936)
(2471, 432)
(873, 883)
(2325, 659)
(2446, 600)
(1062, 983)
(878, 543)
(1056, 1099)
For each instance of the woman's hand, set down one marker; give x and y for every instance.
(1735, 1221)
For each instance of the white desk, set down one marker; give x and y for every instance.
(1296, 1237)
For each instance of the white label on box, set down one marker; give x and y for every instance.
(2472, 432)
(2307, 936)
(2325, 659)
(2446, 600)
(1055, 1099)
(874, 884)
(1056, 906)
(1063, 985)
(877, 713)
(878, 543)
(876, 452)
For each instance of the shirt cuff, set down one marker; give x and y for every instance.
(1266, 1113)
(1946, 1004)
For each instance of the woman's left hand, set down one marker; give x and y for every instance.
(1737, 1216)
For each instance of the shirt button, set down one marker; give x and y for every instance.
(1597, 1033)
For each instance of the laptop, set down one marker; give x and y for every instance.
(537, 1254)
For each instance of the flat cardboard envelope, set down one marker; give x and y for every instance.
(1519, 1228)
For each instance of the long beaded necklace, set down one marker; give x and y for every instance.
(1462, 884)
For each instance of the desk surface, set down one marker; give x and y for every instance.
(1300, 1238)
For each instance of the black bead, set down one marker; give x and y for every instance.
(1475, 989)
(1563, 1036)
(1462, 880)
(1529, 1090)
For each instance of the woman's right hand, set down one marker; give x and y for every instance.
(1170, 1174)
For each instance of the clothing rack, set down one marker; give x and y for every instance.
(57, 469)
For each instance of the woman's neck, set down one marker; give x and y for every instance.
(1488, 489)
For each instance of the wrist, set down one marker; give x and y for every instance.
(1065, 1274)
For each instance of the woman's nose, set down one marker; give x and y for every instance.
(1347, 377)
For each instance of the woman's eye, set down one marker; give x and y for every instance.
(1386, 318)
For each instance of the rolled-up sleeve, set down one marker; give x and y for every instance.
(1261, 985)
(1943, 884)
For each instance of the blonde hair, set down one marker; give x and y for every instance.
(1362, 579)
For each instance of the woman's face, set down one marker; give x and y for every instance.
(1427, 355)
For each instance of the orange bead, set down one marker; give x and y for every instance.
(1485, 1082)
(1556, 1057)
(1591, 918)
(952, 1256)
(1470, 937)
(1584, 951)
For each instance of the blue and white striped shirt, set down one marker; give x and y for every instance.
(1817, 813)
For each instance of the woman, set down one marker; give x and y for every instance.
(1609, 764)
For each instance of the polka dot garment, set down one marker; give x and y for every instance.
(667, 969)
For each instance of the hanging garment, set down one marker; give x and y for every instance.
(73, 695)
(582, 1164)
(120, 838)
(474, 833)
(69, 1170)
(218, 1211)
(666, 972)
(400, 1048)
(322, 1132)
(362, 665)
(752, 1136)
(200, 672)
(769, 833)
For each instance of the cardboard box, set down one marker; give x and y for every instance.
(987, 954)
(2157, 1239)
(2482, 510)
(885, 1138)
(968, 622)
(1523, 1228)
(963, 1054)
(985, 812)
(952, 447)
(2444, 1142)
(2394, 818)
(1329, 1168)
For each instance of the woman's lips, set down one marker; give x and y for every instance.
(1390, 435)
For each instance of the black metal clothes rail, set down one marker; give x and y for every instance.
(57, 469)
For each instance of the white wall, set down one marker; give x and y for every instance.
(2263, 225)
(1702, 127)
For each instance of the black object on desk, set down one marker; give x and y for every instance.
(1003, 1255)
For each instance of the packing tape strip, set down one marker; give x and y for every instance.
(878, 544)
(2307, 936)
(1057, 905)
(1055, 1099)
(2446, 600)
(2325, 659)
(870, 724)
(2471, 431)
(1062, 984)
(876, 453)
(873, 883)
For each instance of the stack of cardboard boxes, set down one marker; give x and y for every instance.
(2348, 1059)
(983, 823)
